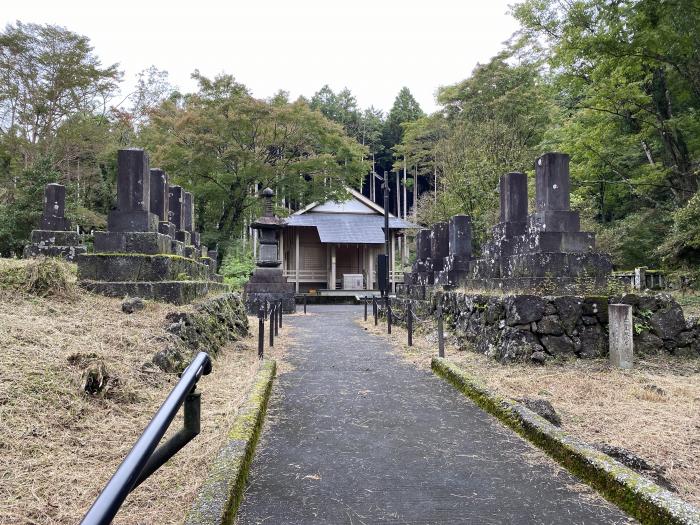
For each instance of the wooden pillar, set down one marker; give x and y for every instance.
(296, 258)
(332, 286)
(370, 278)
(281, 248)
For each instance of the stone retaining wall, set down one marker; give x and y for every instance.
(530, 327)
(213, 324)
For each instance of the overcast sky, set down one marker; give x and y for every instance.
(372, 47)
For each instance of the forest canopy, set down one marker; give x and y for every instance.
(614, 84)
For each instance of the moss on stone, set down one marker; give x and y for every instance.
(641, 498)
(222, 492)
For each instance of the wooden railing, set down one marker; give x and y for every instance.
(306, 276)
(319, 276)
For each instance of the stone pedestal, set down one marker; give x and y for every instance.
(132, 242)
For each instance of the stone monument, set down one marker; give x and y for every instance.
(54, 238)
(422, 269)
(268, 282)
(457, 264)
(137, 255)
(542, 252)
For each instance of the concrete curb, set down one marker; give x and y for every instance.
(638, 496)
(222, 491)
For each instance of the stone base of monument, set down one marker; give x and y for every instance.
(557, 264)
(132, 221)
(269, 284)
(450, 278)
(419, 278)
(169, 278)
(132, 242)
(414, 291)
(139, 267)
(176, 292)
(583, 285)
(177, 248)
(64, 244)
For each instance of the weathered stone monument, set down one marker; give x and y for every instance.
(422, 269)
(621, 344)
(137, 255)
(457, 264)
(54, 238)
(267, 282)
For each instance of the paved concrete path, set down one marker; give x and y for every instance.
(356, 436)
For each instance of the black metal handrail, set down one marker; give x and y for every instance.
(144, 458)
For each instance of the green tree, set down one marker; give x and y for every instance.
(55, 126)
(220, 142)
(48, 74)
(627, 81)
(405, 109)
(341, 108)
(491, 123)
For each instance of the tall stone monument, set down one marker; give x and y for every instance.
(422, 269)
(457, 264)
(541, 252)
(268, 282)
(54, 238)
(544, 251)
(137, 256)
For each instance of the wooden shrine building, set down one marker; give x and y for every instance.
(332, 247)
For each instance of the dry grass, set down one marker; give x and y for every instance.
(653, 410)
(58, 446)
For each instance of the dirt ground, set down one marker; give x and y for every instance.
(652, 410)
(59, 446)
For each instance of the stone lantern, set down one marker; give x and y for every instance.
(268, 282)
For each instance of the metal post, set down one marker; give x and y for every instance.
(280, 313)
(409, 323)
(386, 228)
(261, 332)
(365, 301)
(272, 328)
(441, 338)
(304, 304)
(374, 310)
(388, 314)
(275, 320)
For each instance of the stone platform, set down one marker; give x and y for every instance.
(176, 292)
(65, 244)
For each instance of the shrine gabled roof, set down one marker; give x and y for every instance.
(348, 227)
(357, 220)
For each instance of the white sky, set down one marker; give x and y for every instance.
(372, 47)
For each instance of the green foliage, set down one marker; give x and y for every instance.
(491, 124)
(634, 240)
(405, 109)
(626, 81)
(220, 142)
(237, 266)
(21, 208)
(681, 246)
